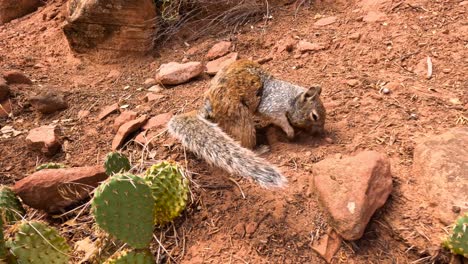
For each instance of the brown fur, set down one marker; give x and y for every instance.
(234, 96)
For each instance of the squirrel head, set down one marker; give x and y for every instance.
(307, 111)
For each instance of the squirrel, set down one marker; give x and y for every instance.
(223, 131)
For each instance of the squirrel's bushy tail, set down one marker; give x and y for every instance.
(207, 140)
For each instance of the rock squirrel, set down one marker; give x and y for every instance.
(240, 94)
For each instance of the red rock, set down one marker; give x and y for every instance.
(374, 16)
(155, 88)
(16, 77)
(48, 102)
(352, 82)
(126, 129)
(5, 108)
(326, 21)
(285, 45)
(440, 169)
(355, 36)
(113, 75)
(149, 82)
(352, 189)
(44, 139)
(393, 86)
(53, 190)
(328, 245)
(158, 121)
(147, 138)
(108, 110)
(421, 68)
(173, 73)
(4, 89)
(11, 9)
(305, 46)
(218, 50)
(83, 113)
(214, 66)
(123, 118)
(150, 97)
(115, 27)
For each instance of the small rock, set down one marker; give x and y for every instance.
(326, 21)
(44, 139)
(355, 36)
(214, 66)
(16, 77)
(150, 97)
(250, 228)
(149, 82)
(385, 90)
(123, 118)
(264, 60)
(48, 102)
(446, 70)
(108, 110)
(328, 245)
(305, 46)
(352, 189)
(4, 89)
(53, 190)
(113, 75)
(353, 82)
(5, 108)
(173, 73)
(146, 138)
(126, 129)
(441, 168)
(239, 229)
(374, 16)
(218, 50)
(158, 121)
(83, 113)
(155, 88)
(285, 45)
(421, 68)
(393, 86)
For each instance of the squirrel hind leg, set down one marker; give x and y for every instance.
(241, 128)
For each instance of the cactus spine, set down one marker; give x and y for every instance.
(169, 188)
(116, 162)
(457, 242)
(36, 242)
(123, 207)
(11, 209)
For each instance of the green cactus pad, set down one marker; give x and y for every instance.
(123, 207)
(116, 163)
(50, 165)
(11, 208)
(37, 242)
(132, 257)
(170, 191)
(457, 242)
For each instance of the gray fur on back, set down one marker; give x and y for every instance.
(278, 96)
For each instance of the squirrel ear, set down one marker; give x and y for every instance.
(312, 93)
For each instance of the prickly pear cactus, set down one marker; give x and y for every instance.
(50, 165)
(123, 207)
(11, 209)
(116, 163)
(170, 190)
(37, 242)
(457, 242)
(132, 257)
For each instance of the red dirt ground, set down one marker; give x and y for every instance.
(281, 222)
